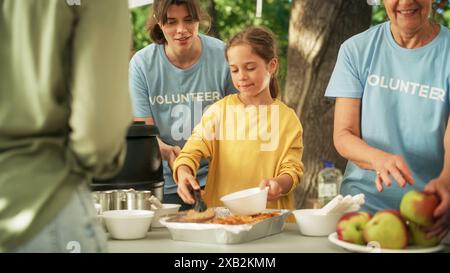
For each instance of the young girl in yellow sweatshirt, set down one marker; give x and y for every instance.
(251, 138)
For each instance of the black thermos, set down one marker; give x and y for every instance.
(142, 169)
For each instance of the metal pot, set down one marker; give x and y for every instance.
(138, 200)
(124, 199)
(104, 199)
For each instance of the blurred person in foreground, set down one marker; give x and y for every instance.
(64, 112)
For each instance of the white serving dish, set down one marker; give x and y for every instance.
(311, 223)
(128, 224)
(226, 234)
(372, 247)
(246, 202)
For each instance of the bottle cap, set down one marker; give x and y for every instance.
(328, 164)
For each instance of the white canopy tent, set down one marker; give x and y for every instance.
(139, 3)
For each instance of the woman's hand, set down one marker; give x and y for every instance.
(440, 187)
(275, 190)
(186, 182)
(387, 165)
(168, 152)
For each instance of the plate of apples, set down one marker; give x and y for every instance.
(389, 230)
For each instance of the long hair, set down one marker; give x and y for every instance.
(262, 42)
(159, 14)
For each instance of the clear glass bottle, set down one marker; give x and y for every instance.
(329, 182)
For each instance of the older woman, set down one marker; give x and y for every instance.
(391, 85)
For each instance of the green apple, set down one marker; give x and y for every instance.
(387, 229)
(418, 207)
(351, 225)
(418, 236)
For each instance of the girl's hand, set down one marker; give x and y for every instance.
(387, 165)
(441, 226)
(275, 190)
(186, 182)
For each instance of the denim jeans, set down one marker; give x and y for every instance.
(74, 229)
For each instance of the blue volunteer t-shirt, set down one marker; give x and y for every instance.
(404, 106)
(176, 98)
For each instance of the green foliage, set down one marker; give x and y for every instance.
(378, 15)
(446, 17)
(139, 18)
(234, 15)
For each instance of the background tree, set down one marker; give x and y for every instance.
(316, 30)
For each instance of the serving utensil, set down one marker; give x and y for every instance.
(200, 205)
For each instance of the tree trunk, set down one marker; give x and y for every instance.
(317, 28)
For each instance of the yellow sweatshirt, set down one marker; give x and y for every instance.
(244, 145)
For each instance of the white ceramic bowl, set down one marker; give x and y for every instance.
(165, 210)
(128, 224)
(311, 223)
(246, 202)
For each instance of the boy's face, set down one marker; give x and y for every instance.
(249, 72)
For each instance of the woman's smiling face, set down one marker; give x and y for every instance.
(408, 15)
(180, 29)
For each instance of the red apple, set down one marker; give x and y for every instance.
(350, 227)
(418, 207)
(387, 229)
(418, 236)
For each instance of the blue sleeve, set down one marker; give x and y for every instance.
(139, 92)
(448, 90)
(345, 80)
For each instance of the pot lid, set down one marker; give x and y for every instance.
(140, 129)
